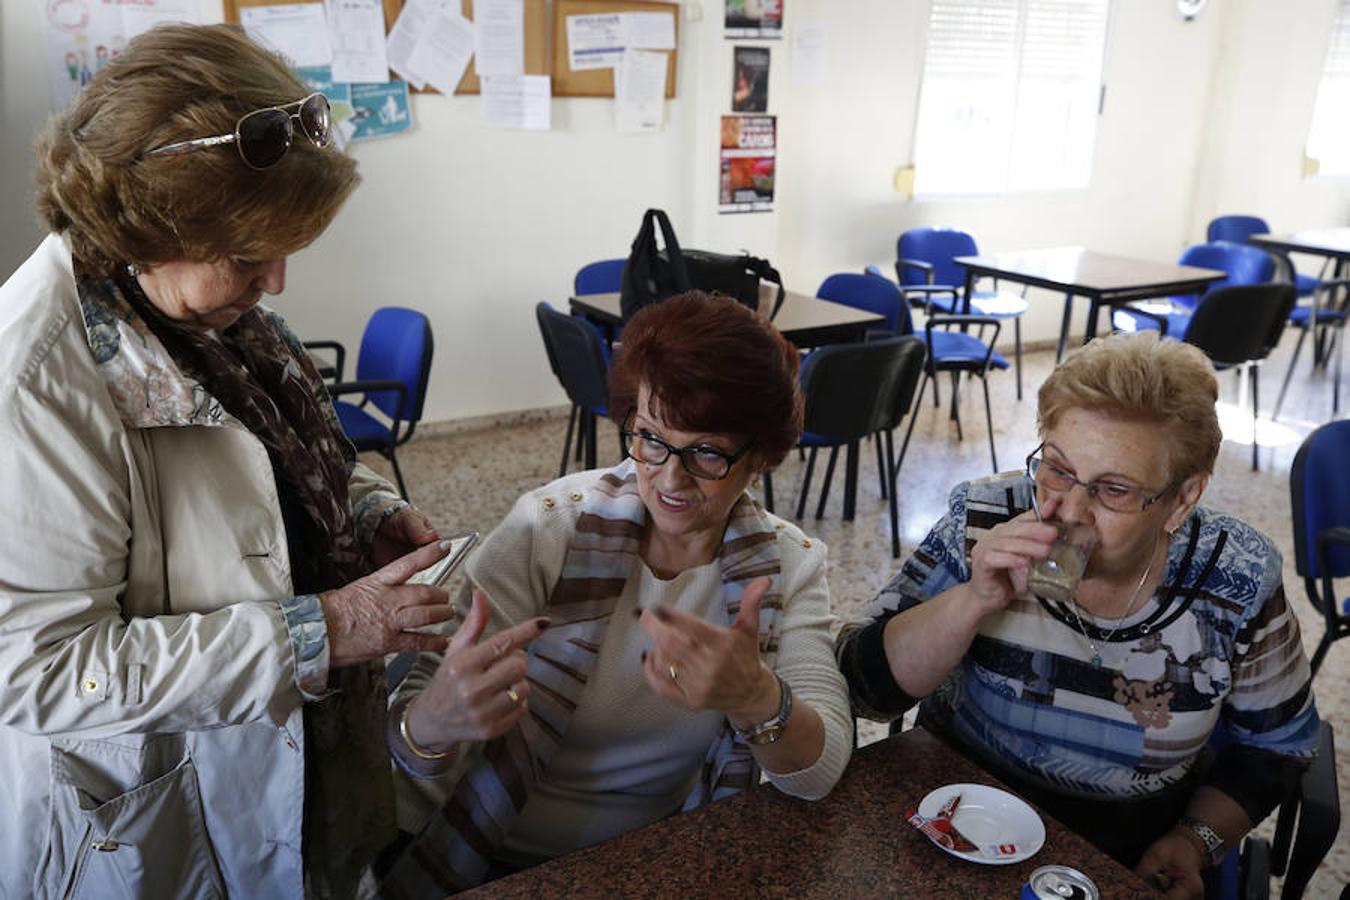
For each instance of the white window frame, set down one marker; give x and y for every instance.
(992, 182)
(1329, 129)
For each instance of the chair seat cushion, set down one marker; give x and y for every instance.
(1126, 319)
(364, 430)
(811, 439)
(999, 304)
(952, 348)
(1306, 284)
(1302, 315)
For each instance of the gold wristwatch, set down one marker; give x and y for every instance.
(770, 730)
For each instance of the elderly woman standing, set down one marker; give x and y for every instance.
(1100, 708)
(642, 638)
(191, 700)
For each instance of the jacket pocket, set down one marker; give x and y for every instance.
(127, 822)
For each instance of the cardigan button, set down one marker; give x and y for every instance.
(576, 495)
(549, 503)
(806, 544)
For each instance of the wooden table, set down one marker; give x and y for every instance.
(1104, 279)
(804, 320)
(854, 843)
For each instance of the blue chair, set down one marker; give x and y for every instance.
(931, 280)
(603, 277)
(392, 371)
(580, 361)
(1237, 229)
(1244, 265)
(954, 352)
(1320, 491)
(1322, 321)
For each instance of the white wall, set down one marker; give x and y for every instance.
(475, 226)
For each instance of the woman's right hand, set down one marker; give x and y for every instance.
(479, 692)
(367, 618)
(1001, 560)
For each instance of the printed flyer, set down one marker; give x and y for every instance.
(748, 148)
(754, 19)
(750, 80)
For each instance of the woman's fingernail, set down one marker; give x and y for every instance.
(544, 624)
(643, 657)
(445, 545)
(661, 614)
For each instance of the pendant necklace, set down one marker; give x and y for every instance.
(1129, 609)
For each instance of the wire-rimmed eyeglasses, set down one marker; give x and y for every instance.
(1121, 498)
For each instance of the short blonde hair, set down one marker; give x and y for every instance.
(1142, 377)
(115, 205)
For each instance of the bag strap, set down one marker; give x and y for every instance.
(764, 270)
(673, 253)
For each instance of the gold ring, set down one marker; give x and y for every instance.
(674, 675)
(515, 698)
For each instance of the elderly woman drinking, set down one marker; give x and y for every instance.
(641, 639)
(1100, 704)
(192, 613)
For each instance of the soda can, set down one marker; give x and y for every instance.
(1059, 883)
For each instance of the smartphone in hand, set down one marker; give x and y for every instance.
(438, 574)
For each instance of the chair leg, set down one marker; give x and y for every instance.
(398, 474)
(806, 484)
(768, 491)
(1251, 368)
(590, 440)
(851, 479)
(825, 487)
(891, 498)
(567, 441)
(937, 402)
(956, 398)
(913, 417)
(881, 465)
(989, 423)
(1322, 647)
(1289, 373)
(1017, 352)
(1336, 382)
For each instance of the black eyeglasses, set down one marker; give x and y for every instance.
(1121, 498)
(263, 136)
(700, 460)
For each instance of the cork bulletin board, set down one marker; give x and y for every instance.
(600, 82)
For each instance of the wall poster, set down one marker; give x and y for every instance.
(754, 19)
(750, 80)
(749, 145)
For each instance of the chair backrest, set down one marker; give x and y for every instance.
(1235, 228)
(576, 356)
(874, 293)
(853, 390)
(1241, 324)
(602, 277)
(937, 247)
(1320, 494)
(1244, 264)
(397, 346)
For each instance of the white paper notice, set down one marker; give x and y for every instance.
(356, 30)
(298, 31)
(649, 30)
(499, 29)
(595, 42)
(517, 101)
(808, 53)
(442, 52)
(408, 27)
(640, 91)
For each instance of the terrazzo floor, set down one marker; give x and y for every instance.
(467, 474)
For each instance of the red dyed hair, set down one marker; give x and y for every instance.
(711, 365)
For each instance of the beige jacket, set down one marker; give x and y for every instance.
(150, 715)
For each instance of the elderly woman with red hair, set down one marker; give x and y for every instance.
(639, 639)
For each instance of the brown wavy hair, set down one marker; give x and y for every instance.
(115, 205)
(1142, 377)
(711, 365)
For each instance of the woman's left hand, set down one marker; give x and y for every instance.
(400, 534)
(1172, 864)
(698, 665)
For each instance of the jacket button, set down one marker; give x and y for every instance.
(806, 544)
(91, 684)
(576, 495)
(548, 503)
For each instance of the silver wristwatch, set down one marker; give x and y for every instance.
(770, 730)
(1213, 842)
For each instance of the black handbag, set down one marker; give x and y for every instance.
(735, 276)
(652, 275)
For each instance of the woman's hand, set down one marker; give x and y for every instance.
(1173, 863)
(400, 534)
(368, 618)
(479, 692)
(1001, 560)
(702, 666)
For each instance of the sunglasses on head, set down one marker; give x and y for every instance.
(263, 136)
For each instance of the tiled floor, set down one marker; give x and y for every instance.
(466, 475)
